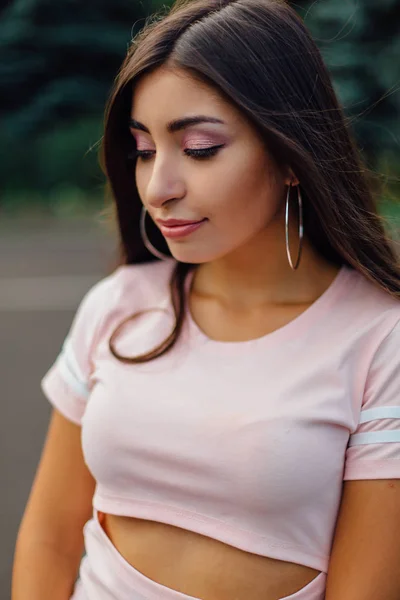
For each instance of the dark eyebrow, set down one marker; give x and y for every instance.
(178, 124)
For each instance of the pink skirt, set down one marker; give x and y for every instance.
(105, 575)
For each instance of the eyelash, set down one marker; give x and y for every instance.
(192, 153)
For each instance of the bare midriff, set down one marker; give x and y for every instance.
(200, 566)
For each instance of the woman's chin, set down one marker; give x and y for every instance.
(187, 253)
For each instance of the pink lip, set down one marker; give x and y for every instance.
(176, 231)
(173, 222)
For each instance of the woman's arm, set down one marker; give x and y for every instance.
(365, 559)
(50, 542)
(42, 572)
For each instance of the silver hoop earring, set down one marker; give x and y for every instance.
(146, 240)
(301, 230)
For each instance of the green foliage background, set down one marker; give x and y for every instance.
(59, 60)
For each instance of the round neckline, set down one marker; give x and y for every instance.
(292, 329)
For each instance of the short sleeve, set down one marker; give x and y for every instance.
(67, 383)
(373, 451)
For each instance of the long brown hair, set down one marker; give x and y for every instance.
(259, 56)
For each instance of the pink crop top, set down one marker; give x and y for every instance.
(245, 442)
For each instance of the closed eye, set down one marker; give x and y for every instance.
(198, 154)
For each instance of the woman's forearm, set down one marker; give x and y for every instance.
(42, 572)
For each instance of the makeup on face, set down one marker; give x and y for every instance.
(201, 131)
(191, 140)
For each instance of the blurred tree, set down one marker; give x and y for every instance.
(58, 63)
(59, 58)
(360, 42)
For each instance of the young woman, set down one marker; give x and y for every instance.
(227, 402)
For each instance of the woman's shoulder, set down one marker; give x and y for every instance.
(147, 280)
(146, 270)
(128, 285)
(368, 302)
(133, 286)
(124, 291)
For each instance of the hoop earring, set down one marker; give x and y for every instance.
(301, 230)
(146, 240)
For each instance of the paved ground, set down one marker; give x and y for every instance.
(45, 269)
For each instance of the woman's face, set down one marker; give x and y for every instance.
(236, 188)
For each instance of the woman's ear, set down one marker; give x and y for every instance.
(291, 179)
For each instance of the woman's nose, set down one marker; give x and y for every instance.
(164, 184)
